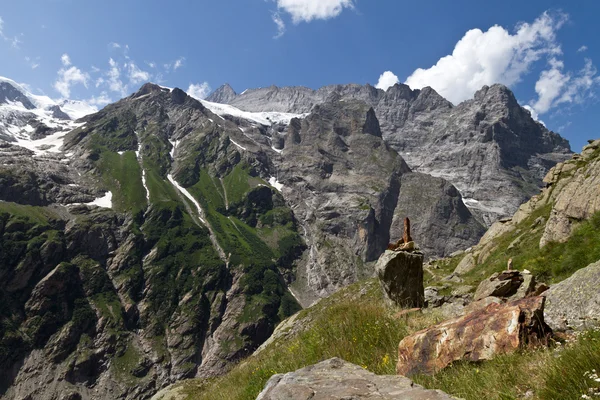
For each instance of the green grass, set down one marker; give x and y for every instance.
(554, 262)
(359, 329)
(122, 175)
(550, 374)
(37, 215)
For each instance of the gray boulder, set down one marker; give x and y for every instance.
(505, 284)
(338, 379)
(401, 276)
(575, 302)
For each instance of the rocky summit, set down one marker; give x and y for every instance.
(488, 147)
(164, 238)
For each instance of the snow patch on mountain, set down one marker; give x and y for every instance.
(263, 118)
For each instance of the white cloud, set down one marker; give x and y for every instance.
(68, 76)
(1, 26)
(114, 81)
(495, 56)
(199, 90)
(114, 45)
(280, 25)
(100, 100)
(151, 64)
(534, 114)
(136, 75)
(387, 80)
(555, 87)
(65, 59)
(549, 86)
(582, 49)
(308, 10)
(178, 63)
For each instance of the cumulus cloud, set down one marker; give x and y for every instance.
(68, 76)
(65, 59)
(387, 80)
(308, 10)
(556, 87)
(495, 56)
(549, 86)
(582, 49)
(113, 80)
(136, 75)
(280, 25)
(199, 90)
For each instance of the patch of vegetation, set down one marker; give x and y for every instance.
(554, 262)
(359, 329)
(122, 175)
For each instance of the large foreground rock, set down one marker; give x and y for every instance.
(338, 379)
(480, 335)
(575, 302)
(401, 276)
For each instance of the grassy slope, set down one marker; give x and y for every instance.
(363, 331)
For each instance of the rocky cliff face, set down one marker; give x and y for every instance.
(157, 239)
(488, 147)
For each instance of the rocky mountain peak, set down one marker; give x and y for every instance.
(148, 88)
(9, 93)
(224, 94)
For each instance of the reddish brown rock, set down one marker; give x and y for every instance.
(406, 237)
(480, 335)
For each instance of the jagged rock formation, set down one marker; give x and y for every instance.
(156, 239)
(338, 379)
(571, 197)
(488, 147)
(224, 95)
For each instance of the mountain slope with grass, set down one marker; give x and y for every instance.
(357, 325)
(164, 238)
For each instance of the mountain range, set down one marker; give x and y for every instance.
(164, 237)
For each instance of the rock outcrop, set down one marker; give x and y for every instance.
(338, 379)
(489, 147)
(400, 272)
(480, 335)
(575, 302)
(569, 198)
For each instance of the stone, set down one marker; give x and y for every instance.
(575, 302)
(432, 297)
(480, 335)
(504, 284)
(406, 237)
(467, 264)
(337, 379)
(526, 288)
(401, 278)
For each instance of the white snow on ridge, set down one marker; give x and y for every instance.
(77, 109)
(275, 183)
(189, 196)
(263, 118)
(238, 145)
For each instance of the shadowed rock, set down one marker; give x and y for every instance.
(480, 335)
(401, 276)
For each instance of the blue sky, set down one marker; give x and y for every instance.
(99, 51)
